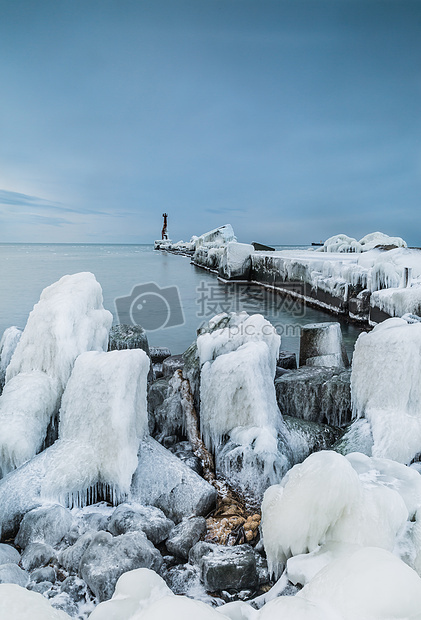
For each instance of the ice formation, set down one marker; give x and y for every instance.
(386, 388)
(68, 320)
(103, 417)
(235, 261)
(8, 344)
(353, 500)
(20, 604)
(343, 243)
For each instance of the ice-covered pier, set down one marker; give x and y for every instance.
(368, 281)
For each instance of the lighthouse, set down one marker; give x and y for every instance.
(164, 228)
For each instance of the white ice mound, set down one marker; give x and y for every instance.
(68, 320)
(8, 344)
(343, 243)
(17, 603)
(369, 584)
(353, 500)
(103, 417)
(221, 236)
(386, 387)
(241, 358)
(235, 261)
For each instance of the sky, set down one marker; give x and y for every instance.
(291, 120)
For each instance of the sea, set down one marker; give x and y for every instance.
(164, 293)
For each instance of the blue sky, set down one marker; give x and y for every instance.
(291, 120)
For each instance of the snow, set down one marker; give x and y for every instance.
(389, 395)
(353, 500)
(68, 320)
(8, 344)
(343, 243)
(18, 603)
(103, 417)
(235, 261)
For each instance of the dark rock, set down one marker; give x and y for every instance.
(75, 587)
(184, 451)
(359, 306)
(169, 441)
(40, 587)
(9, 555)
(171, 364)
(159, 354)
(46, 573)
(167, 418)
(185, 535)
(317, 394)
(11, 573)
(162, 480)
(225, 568)
(37, 555)
(47, 524)
(128, 337)
(107, 558)
(287, 360)
(70, 558)
(280, 372)
(157, 393)
(134, 518)
(157, 371)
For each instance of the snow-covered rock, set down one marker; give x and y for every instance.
(148, 519)
(47, 525)
(108, 557)
(343, 243)
(225, 568)
(386, 389)
(9, 554)
(68, 320)
(37, 554)
(12, 573)
(128, 337)
(185, 535)
(322, 340)
(235, 261)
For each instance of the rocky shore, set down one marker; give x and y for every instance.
(136, 484)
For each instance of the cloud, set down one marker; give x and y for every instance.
(16, 199)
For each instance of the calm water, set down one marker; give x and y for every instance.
(172, 314)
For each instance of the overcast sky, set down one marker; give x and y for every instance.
(291, 120)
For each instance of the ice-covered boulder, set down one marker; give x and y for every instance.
(108, 557)
(47, 524)
(324, 341)
(343, 243)
(17, 603)
(12, 573)
(225, 568)
(128, 337)
(235, 262)
(386, 387)
(134, 518)
(9, 554)
(68, 320)
(8, 343)
(37, 554)
(185, 535)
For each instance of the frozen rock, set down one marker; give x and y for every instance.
(287, 360)
(164, 481)
(319, 395)
(68, 320)
(235, 263)
(41, 587)
(47, 524)
(307, 437)
(184, 451)
(17, 603)
(323, 339)
(356, 438)
(183, 579)
(148, 519)
(167, 418)
(70, 558)
(225, 568)
(128, 337)
(64, 603)
(9, 554)
(8, 344)
(159, 354)
(171, 364)
(386, 389)
(37, 555)
(46, 573)
(107, 558)
(185, 535)
(74, 587)
(11, 573)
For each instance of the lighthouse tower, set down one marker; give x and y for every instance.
(165, 226)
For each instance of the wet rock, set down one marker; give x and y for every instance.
(46, 573)
(287, 360)
(37, 555)
(9, 555)
(184, 451)
(107, 558)
(47, 524)
(225, 568)
(166, 419)
(317, 394)
(171, 364)
(11, 573)
(185, 535)
(70, 558)
(310, 437)
(128, 337)
(148, 519)
(162, 480)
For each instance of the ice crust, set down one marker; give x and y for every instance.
(8, 344)
(68, 320)
(343, 243)
(386, 387)
(17, 603)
